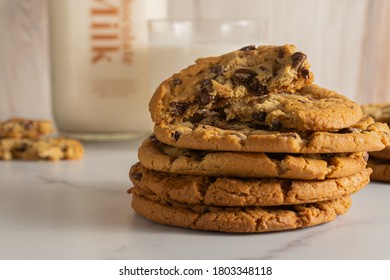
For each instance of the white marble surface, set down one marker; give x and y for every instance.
(80, 210)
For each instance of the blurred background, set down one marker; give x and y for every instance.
(346, 41)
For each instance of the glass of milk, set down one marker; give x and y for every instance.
(99, 67)
(176, 44)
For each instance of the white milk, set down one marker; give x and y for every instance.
(99, 60)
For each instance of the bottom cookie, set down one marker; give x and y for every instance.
(380, 169)
(241, 219)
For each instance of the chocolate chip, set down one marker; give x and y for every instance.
(281, 53)
(136, 176)
(22, 148)
(347, 130)
(154, 139)
(176, 81)
(244, 75)
(327, 156)
(220, 112)
(286, 184)
(206, 87)
(205, 98)
(178, 108)
(176, 135)
(259, 116)
(276, 125)
(196, 118)
(248, 48)
(28, 125)
(260, 126)
(276, 156)
(206, 83)
(199, 156)
(217, 70)
(297, 59)
(256, 88)
(304, 73)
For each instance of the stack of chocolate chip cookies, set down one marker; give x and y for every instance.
(380, 160)
(245, 142)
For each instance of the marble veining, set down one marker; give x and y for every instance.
(80, 210)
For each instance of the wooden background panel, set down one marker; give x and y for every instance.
(374, 77)
(346, 41)
(24, 68)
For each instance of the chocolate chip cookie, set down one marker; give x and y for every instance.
(226, 191)
(52, 149)
(365, 135)
(24, 128)
(240, 219)
(162, 157)
(259, 87)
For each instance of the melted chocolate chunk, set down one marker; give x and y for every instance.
(244, 75)
(327, 156)
(206, 87)
(205, 210)
(176, 135)
(260, 126)
(199, 155)
(277, 156)
(297, 59)
(205, 98)
(196, 118)
(217, 70)
(276, 125)
(21, 148)
(348, 130)
(304, 73)
(178, 108)
(259, 116)
(176, 81)
(136, 176)
(248, 48)
(286, 184)
(257, 89)
(281, 53)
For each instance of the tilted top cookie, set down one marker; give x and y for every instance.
(267, 86)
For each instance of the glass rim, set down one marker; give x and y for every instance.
(204, 21)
